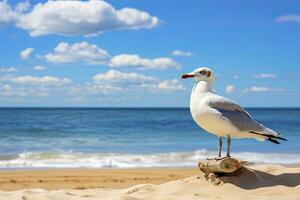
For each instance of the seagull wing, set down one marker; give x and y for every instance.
(235, 114)
(241, 118)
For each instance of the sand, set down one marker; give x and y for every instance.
(253, 182)
(54, 179)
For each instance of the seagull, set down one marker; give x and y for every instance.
(221, 116)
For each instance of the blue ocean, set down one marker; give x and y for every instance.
(131, 137)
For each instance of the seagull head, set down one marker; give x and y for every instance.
(201, 74)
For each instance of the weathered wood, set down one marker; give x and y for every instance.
(225, 165)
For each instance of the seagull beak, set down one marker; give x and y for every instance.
(185, 76)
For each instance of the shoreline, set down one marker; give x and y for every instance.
(25, 169)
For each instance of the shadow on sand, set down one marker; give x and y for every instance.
(252, 179)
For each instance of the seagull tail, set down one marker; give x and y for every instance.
(273, 137)
(273, 140)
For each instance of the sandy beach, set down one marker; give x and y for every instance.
(253, 182)
(54, 179)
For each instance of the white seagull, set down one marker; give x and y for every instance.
(221, 116)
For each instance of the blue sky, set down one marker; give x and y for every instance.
(132, 52)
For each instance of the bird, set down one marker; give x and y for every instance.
(221, 116)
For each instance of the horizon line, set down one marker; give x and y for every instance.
(130, 107)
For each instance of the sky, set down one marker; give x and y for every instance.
(131, 53)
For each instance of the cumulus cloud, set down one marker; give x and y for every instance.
(78, 52)
(95, 89)
(32, 86)
(133, 60)
(112, 82)
(177, 52)
(7, 90)
(171, 85)
(22, 7)
(39, 68)
(11, 15)
(8, 15)
(264, 76)
(91, 54)
(25, 53)
(229, 89)
(87, 18)
(117, 81)
(114, 76)
(109, 83)
(8, 70)
(257, 89)
(32, 80)
(262, 89)
(288, 18)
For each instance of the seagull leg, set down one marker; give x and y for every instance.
(228, 146)
(220, 147)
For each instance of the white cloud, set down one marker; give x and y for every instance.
(114, 76)
(113, 82)
(22, 6)
(8, 15)
(11, 15)
(8, 70)
(6, 87)
(87, 18)
(133, 60)
(32, 80)
(25, 53)
(31, 86)
(177, 52)
(7, 90)
(78, 52)
(171, 85)
(94, 89)
(262, 89)
(257, 89)
(288, 18)
(229, 89)
(91, 54)
(109, 83)
(264, 75)
(39, 68)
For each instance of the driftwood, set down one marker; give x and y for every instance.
(225, 165)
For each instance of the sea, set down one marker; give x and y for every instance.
(132, 137)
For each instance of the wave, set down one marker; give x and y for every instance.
(123, 160)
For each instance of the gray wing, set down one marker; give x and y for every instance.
(236, 114)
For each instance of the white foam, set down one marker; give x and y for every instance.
(119, 160)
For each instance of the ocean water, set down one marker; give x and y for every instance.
(133, 137)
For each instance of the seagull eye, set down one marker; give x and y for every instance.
(202, 72)
(205, 73)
